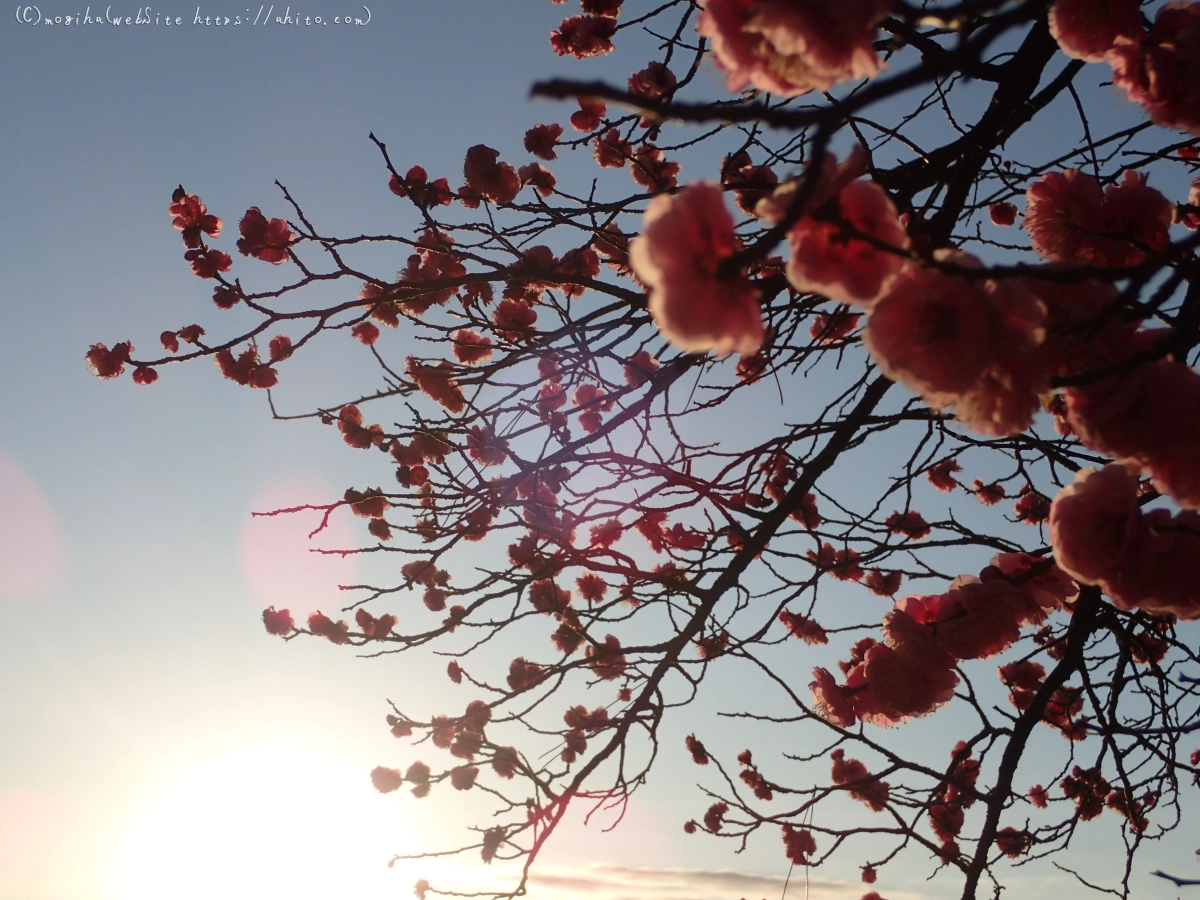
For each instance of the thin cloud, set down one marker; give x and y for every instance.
(605, 882)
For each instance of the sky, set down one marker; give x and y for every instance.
(155, 742)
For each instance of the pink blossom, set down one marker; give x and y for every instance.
(941, 475)
(386, 780)
(584, 36)
(1086, 29)
(684, 241)
(751, 183)
(827, 260)
(612, 151)
(436, 382)
(1005, 397)
(831, 700)
(192, 217)
(883, 584)
(589, 115)
(1095, 522)
(540, 140)
(1191, 220)
(652, 81)
(106, 363)
(1149, 416)
(497, 181)
(831, 180)
(1162, 572)
(470, 347)
(265, 239)
(963, 343)
(1161, 70)
(539, 176)
(1045, 583)
(978, 619)
(1069, 218)
(278, 622)
(911, 524)
(830, 328)
(1002, 214)
(932, 332)
(653, 171)
(611, 8)
(790, 47)
(909, 675)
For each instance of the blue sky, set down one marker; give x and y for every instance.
(152, 732)
(149, 721)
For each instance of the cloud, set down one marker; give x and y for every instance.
(608, 882)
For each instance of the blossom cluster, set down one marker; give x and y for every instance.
(1158, 66)
(911, 672)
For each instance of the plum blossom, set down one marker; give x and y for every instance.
(278, 622)
(262, 238)
(827, 259)
(941, 475)
(192, 218)
(882, 584)
(903, 685)
(1095, 522)
(652, 171)
(1162, 573)
(1046, 584)
(1069, 217)
(1002, 214)
(1191, 220)
(207, 263)
(540, 141)
(791, 47)
(931, 332)
(386, 780)
(750, 183)
(589, 115)
(684, 241)
(611, 150)
(1149, 417)
(1087, 29)
(470, 347)
(436, 382)
(610, 8)
(584, 36)
(417, 186)
(979, 618)
(652, 81)
(829, 328)
(1160, 70)
(485, 174)
(832, 700)
(539, 176)
(964, 343)
(106, 363)
(861, 784)
(640, 369)
(245, 368)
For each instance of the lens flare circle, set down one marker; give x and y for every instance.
(278, 558)
(31, 546)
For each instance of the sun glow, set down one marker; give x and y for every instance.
(272, 821)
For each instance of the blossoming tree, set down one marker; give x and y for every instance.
(811, 402)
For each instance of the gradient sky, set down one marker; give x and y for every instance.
(154, 742)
